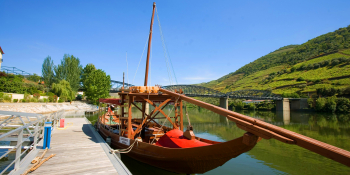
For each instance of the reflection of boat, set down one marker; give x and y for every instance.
(165, 147)
(170, 148)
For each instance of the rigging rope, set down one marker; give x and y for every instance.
(166, 52)
(127, 68)
(140, 58)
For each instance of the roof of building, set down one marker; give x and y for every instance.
(2, 52)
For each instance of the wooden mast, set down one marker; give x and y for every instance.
(149, 44)
(148, 55)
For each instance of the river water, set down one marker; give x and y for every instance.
(268, 156)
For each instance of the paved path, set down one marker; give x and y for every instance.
(78, 151)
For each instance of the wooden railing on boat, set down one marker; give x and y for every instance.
(268, 131)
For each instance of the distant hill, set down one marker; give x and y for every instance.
(319, 62)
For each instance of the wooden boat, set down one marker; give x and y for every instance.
(164, 147)
(169, 148)
(172, 149)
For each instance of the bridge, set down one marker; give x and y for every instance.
(200, 91)
(117, 85)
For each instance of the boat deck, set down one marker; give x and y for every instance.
(79, 150)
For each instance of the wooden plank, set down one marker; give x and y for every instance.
(77, 152)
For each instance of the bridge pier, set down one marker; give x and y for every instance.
(224, 102)
(282, 105)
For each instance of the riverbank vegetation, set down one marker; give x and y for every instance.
(239, 104)
(68, 77)
(62, 80)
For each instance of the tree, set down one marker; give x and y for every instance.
(69, 70)
(97, 85)
(34, 77)
(63, 90)
(88, 69)
(47, 71)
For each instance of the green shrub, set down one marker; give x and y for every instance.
(331, 104)
(343, 117)
(51, 99)
(303, 67)
(310, 66)
(310, 102)
(320, 104)
(343, 105)
(327, 62)
(60, 101)
(316, 66)
(326, 91)
(7, 97)
(1, 95)
(33, 100)
(63, 98)
(46, 100)
(335, 62)
(50, 94)
(27, 96)
(251, 106)
(343, 60)
(41, 100)
(15, 100)
(23, 100)
(300, 79)
(293, 69)
(238, 105)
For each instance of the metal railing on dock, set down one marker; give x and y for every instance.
(18, 124)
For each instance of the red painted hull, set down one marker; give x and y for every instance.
(182, 160)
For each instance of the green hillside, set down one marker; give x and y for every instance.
(320, 62)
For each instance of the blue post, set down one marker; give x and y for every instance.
(47, 135)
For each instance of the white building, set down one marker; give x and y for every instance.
(1, 53)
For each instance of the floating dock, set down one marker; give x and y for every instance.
(79, 149)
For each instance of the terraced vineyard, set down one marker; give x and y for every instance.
(295, 68)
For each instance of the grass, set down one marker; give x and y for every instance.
(347, 51)
(252, 81)
(319, 59)
(320, 73)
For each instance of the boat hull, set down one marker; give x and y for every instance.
(182, 160)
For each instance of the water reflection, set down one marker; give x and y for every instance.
(268, 156)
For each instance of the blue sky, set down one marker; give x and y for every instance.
(205, 39)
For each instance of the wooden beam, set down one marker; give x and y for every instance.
(139, 108)
(181, 116)
(157, 108)
(324, 149)
(130, 136)
(139, 128)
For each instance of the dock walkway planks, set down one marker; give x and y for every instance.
(78, 151)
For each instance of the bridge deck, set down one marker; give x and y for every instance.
(78, 151)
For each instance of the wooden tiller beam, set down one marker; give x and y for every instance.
(268, 131)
